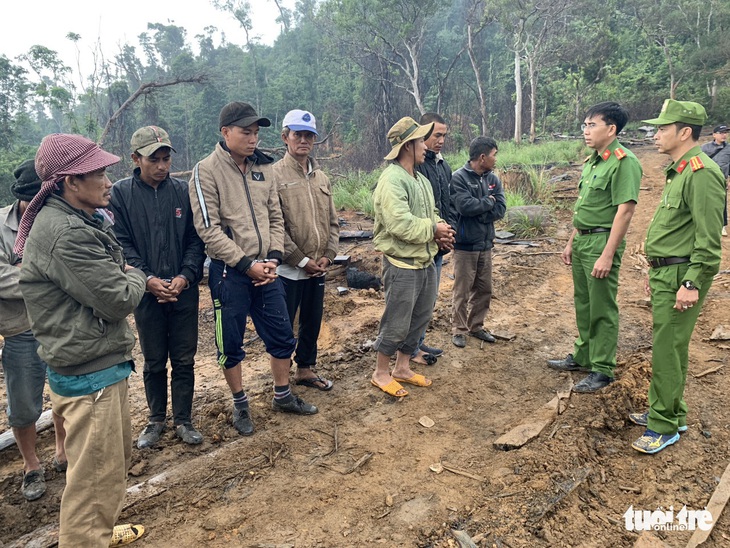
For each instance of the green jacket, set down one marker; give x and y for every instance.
(76, 291)
(405, 217)
(688, 221)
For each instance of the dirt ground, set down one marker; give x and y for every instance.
(358, 473)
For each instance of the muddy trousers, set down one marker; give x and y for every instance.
(670, 353)
(169, 330)
(99, 449)
(307, 296)
(596, 309)
(472, 290)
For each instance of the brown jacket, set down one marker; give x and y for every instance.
(237, 216)
(310, 218)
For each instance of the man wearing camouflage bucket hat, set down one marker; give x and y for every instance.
(683, 247)
(409, 232)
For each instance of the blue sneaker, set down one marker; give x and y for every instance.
(653, 442)
(642, 419)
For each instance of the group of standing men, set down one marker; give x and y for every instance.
(92, 253)
(683, 248)
(271, 232)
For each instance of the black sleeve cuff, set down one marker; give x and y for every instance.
(243, 265)
(278, 255)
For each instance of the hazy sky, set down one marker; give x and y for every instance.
(115, 22)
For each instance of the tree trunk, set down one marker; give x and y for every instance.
(533, 95)
(477, 77)
(518, 99)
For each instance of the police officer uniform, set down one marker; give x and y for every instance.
(609, 179)
(683, 247)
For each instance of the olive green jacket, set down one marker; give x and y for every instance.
(76, 291)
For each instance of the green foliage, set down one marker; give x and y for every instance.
(355, 191)
(524, 226)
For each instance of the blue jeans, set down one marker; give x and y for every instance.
(25, 377)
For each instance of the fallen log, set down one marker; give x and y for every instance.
(44, 422)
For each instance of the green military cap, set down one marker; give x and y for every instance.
(686, 112)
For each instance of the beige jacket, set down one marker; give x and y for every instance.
(237, 216)
(310, 218)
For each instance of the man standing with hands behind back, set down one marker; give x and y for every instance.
(609, 191)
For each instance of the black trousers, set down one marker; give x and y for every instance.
(169, 330)
(308, 297)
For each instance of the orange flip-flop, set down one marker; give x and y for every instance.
(416, 380)
(392, 388)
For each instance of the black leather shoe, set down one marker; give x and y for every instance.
(297, 406)
(567, 364)
(592, 383)
(483, 335)
(242, 421)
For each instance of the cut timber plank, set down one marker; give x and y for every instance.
(715, 507)
(44, 422)
(532, 426)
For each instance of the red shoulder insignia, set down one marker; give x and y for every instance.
(620, 153)
(695, 163)
(606, 155)
(681, 166)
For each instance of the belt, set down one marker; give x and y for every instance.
(658, 262)
(593, 230)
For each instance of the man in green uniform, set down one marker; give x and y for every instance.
(684, 250)
(609, 190)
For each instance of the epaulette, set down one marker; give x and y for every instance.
(681, 166)
(695, 163)
(606, 155)
(620, 153)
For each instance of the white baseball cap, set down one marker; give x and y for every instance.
(300, 120)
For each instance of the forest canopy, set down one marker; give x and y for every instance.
(512, 69)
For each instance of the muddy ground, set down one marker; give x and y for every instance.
(358, 473)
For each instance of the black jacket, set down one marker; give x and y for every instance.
(438, 173)
(155, 228)
(475, 211)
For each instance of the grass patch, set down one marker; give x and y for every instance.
(545, 153)
(525, 226)
(355, 191)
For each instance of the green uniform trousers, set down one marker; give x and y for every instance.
(670, 354)
(596, 309)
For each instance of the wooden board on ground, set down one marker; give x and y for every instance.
(715, 507)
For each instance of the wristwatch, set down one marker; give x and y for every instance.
(689, 284)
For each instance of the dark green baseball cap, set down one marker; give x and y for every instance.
(686, 112)
(147, 140)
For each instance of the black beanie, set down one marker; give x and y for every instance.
(27, 183)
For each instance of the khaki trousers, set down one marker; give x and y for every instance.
(472, 290)
(99, 450)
